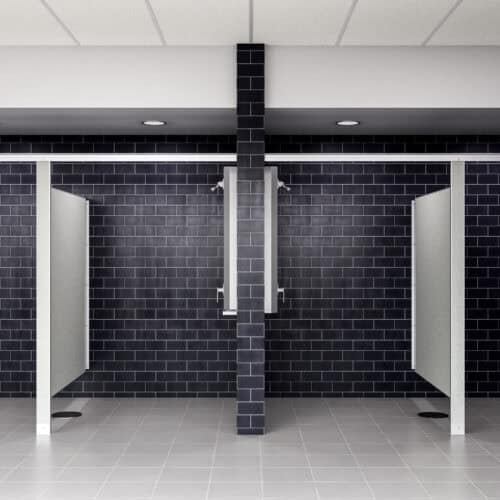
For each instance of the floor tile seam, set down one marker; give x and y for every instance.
(214, 452)
(471, 483)
(261, 463)
(394, 449)
(304, 447)
(401, 457)
(358, 466)
(172, 444)
(430, 436)
(115, 466)
(72, 456)
(488, 452)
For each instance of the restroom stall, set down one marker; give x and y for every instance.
(156, 261)
(345, 259)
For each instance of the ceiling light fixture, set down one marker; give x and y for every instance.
(347, 123)
(153, 123)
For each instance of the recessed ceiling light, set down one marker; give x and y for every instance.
(153, 123)
(347, 123)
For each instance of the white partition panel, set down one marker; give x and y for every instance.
(230, 240)
(270, 239)
(457, 383)
(43, 298)
(69, 261)
(432, 285)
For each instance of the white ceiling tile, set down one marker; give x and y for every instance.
(299, 22)
(28, 22)
(474, 22)
(394, 22)
(108, 22)
(203, 22)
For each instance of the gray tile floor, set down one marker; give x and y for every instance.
(187, 449)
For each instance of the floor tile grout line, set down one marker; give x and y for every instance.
(214, 452)
(488, 453)
(124, 449)
(316, 491)
(261, 466)
(172, 444)
(391, 444)
(438, 448)
(427, 434)
(82, 445)
(456, 452)
(352, 453)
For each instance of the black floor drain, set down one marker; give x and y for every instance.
(432, 414)
(66, 414)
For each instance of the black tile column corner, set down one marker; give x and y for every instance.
(250, 148)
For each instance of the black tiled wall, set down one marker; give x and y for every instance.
(482, 320)
(156, 261)
(319, 328)
(118, 144)
(17, 279)
(157, 246)
(251, 326)
(219, 336)
(345, 263)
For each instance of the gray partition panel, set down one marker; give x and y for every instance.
(432, 288)
(68, 284)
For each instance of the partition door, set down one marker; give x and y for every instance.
(432, 271)
(69, 294)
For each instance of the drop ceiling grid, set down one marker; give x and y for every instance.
(474, 22)
(299, 22)
(28, 22)
(209, 22)
(228, 22)
(401, 22)
(107, 22)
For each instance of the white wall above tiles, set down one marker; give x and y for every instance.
(382, 77)
(117, 77)
(227, 22)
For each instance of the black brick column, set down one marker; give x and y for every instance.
(250, 151)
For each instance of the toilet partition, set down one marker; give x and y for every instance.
(457, 250)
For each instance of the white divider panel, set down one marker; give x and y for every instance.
(433, 291)
(69, 261)
(87, 288)
(43, 298)
(457, 397)
(270, 239)
(230, 240)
